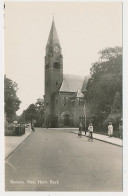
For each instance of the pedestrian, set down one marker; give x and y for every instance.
(120, 130)
(110, 129)
(85, 130)
(33, 129)
(47, 124)
(80, 129)
(90, 129)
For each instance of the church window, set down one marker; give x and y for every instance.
(50, 53)
(47, 66)
(56, 65)
(81, 102)
(65, 101)
(47, 103)
(56, 83)
(56, 101)
(73, 102)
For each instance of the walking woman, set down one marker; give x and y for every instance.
(80, 129)
(110, 129)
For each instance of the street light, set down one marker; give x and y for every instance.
(84, 110)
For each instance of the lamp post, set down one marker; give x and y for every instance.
(84, 109)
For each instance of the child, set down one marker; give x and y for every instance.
(90, 129)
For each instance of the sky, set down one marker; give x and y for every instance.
(83, 30)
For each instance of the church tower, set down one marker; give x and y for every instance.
(53, 73)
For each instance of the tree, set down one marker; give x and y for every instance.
(21, 118)
(34, 113)
(116, 112)
(40, 112)
(110, 61)
(31, 113)
(105, 82)
(117, 104)
(11, 100)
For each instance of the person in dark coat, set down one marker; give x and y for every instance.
(80, 129)
(85, 130)
(120, 130)
(33, 129)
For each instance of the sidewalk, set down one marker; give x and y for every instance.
(12, 142)
(104, 138)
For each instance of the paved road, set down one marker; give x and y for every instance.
(57, 160)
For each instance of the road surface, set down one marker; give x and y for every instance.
(57, 160)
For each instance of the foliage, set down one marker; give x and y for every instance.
(34, 113)
(10, 129)
(21, 118)
(11, 100)
(114, 118)
(117, 104)
(30, 114)
(110, 61)
(104, 88)
(40, 113)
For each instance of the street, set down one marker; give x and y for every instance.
(57, 160)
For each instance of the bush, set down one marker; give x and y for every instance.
(9, 130)
(115, 119)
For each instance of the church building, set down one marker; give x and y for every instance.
(64, 99)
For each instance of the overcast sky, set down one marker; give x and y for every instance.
(83, 30)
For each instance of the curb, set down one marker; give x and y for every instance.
(108, 142)
(102, 140)
(13, 149)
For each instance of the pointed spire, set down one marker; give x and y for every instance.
(53, 38)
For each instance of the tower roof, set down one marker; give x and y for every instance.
(53, 38)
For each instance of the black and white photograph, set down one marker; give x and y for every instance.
(63, 96)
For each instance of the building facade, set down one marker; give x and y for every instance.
(64, 99)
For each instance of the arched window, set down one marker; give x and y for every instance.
(47, 66)
(65, 101)
(47, 103)
(56, 83)
(56, 65)
(72, 102)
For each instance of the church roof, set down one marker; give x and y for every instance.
(73, 83)
(83, 89)
(77, 94)
(53, 37)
